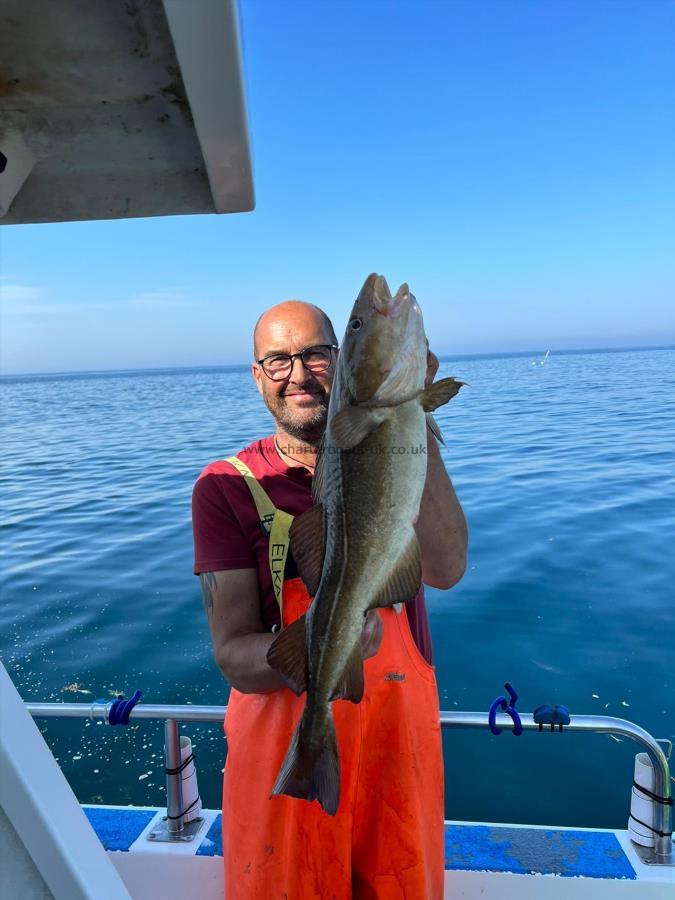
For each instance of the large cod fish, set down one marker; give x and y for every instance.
(356, 549)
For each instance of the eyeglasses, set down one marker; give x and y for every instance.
(279, 366)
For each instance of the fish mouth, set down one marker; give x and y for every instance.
(384, 303)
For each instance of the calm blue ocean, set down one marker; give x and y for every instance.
(566, 471)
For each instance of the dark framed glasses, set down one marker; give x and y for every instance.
(317, 359)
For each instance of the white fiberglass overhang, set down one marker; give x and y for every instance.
(121, 109)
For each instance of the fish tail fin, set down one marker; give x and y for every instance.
(311, 770)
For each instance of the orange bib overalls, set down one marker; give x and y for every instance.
(386, 840)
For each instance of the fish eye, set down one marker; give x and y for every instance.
(355, 324)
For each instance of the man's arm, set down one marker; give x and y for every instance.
(441, 527)
(240, 640)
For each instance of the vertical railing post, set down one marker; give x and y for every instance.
(174, 782)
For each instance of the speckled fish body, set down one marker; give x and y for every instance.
(356, 549)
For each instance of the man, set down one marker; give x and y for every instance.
(386, 839)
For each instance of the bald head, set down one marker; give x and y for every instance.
(280, 323)
(299, 401)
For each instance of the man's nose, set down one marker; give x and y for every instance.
(298, 374)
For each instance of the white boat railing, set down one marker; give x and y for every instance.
(173, 714)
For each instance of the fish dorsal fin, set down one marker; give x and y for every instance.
(287, 654)
(352, 424)
(439, 393)
(350, 686)
(404, 580)
(307, 546)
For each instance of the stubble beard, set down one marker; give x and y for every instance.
(307, 430)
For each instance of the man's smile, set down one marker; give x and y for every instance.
(302, 395)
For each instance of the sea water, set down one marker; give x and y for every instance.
(565, 469)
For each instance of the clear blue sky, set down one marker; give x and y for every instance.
(514, 162)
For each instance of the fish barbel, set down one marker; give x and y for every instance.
(356, 549)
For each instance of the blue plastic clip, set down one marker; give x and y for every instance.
(509, 708)
(120, 709)
(547, 715)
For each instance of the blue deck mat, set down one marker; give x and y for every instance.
(591, 854)
(478, 848)
(212, 845)
(117, 829)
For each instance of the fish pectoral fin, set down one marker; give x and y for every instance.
(405, 579)
(350, 686)
(306, 536)
(434, 428)
(352, 424)
(439, 393)
(287, 654)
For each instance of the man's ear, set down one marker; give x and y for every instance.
(257, 374)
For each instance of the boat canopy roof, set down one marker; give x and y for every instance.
(117, 110)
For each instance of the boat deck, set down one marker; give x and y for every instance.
(481, 860)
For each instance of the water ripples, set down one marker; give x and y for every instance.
(567, 475)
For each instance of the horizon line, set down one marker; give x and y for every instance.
(442, 358)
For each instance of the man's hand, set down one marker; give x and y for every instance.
(240, 640)
(432, 367)
(371, 636)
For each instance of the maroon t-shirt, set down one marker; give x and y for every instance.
(228, 535)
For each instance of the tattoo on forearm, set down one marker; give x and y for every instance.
(208, 583)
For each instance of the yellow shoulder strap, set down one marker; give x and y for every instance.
(274, 522)
(263, 504)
